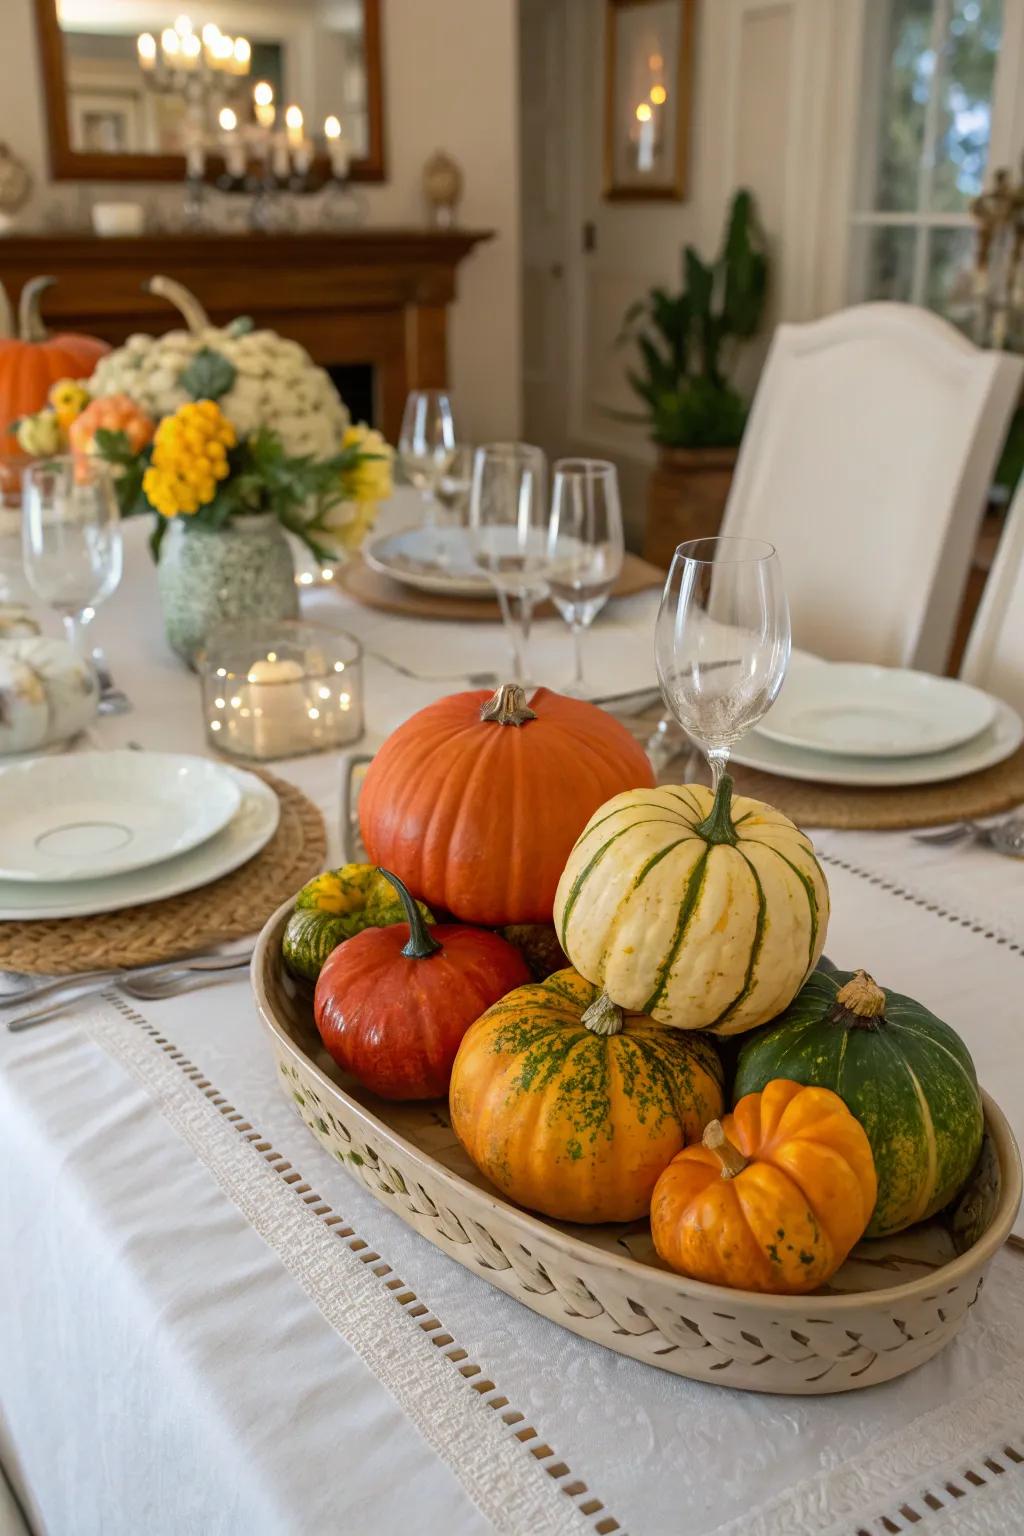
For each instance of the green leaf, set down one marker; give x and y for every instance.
(156, 536)
(114, 447)
(208, 376)
(242, 326)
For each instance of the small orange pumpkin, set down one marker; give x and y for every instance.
(775, 1196)
(32, 361)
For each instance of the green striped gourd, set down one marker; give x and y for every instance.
(571, 1107)
(907, 1077)
(704, 911)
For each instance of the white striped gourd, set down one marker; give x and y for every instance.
(705, 912)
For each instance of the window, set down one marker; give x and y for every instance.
(932, 80)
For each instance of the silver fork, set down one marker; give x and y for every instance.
(1005, 836)
(169, 982)
(113, 700)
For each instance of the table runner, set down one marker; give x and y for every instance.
(649, 1444)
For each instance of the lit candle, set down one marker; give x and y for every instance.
(263, 103)
(146, 45)
(293, 123)
(170, 45)
(234, 150)
(191, 48)
(645, 140)
(336, 148)
(278, 705)
(223, 52)
(242, 55)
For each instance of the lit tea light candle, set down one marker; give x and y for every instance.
(300, 693)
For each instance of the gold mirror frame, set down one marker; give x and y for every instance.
(69, 164)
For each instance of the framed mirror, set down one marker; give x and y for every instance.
(131, 85)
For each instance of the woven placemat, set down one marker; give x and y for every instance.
(376, 591)
(888, 810)
(230, 908)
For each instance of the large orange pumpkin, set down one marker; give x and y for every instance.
(775, 1196)
(475, 802)
(31, 361)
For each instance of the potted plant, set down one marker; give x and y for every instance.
(688, 344)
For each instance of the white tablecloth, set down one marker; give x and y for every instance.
(188, 1346)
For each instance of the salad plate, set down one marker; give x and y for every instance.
(90, 815)
(249, 830)
(430, 559)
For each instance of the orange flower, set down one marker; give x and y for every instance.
(112, 413)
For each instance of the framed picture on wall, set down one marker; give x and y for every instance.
(647, 100)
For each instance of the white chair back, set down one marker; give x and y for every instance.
(994, 658)
(866, 461)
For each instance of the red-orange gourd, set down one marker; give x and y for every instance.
(775, 1196)
(475, 802)
(392, 1004)
(31, 361)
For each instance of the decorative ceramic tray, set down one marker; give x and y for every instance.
(894, 1304)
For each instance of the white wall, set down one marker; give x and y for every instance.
(451, 82)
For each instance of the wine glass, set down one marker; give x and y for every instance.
(426, 443)
(453, 485)
(722, 640)
(585, 546)
(508, 537)
(71, 537)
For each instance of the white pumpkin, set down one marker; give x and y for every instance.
(47, 693)
(705, 912)
(277, 384)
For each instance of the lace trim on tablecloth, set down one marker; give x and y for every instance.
(462, 1415)
(987, 925)
(939, 1466)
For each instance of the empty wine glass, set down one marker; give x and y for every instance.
(426, 444)
(508, 534)
(722, 640)
(71, 537)
(453, 485)
(585, 546)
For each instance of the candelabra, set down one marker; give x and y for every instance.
(999, 264)
(205, 71)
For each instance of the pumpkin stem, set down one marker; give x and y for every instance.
(508, 706)
(30, 322)
(6, 317)
(863, 997)
(603, 1016)
(420, 946)
(729, 1155)
(195, 315)
(717, 826)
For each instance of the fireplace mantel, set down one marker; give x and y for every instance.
(376, 296)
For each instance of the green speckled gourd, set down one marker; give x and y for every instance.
(335, 906)
(573, 1108)
(906, 1075)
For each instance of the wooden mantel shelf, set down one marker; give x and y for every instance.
(375, 296)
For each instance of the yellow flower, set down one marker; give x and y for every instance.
(190, 455)
(369, 479)
(69, 398)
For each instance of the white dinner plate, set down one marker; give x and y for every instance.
(249, 830)
(854, 710)
(999, 741)
(430, 559)
(90, 815)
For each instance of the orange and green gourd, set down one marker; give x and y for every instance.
(573, 1108)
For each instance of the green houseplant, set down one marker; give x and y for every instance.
(687, 344)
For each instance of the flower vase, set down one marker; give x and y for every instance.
(207, 576)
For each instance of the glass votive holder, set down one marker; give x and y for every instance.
(280, 689)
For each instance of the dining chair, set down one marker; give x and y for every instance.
(994, 656)
(866, 461)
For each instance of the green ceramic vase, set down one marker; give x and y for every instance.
(212, 576)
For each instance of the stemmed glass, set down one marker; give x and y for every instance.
(585, 546)
(71, 537)
(508, 534)
(453, 486)
(722, 640)
(426, 444)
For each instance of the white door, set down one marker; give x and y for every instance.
(545, 216)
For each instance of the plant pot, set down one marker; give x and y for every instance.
(208, 576)
(686, 498)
